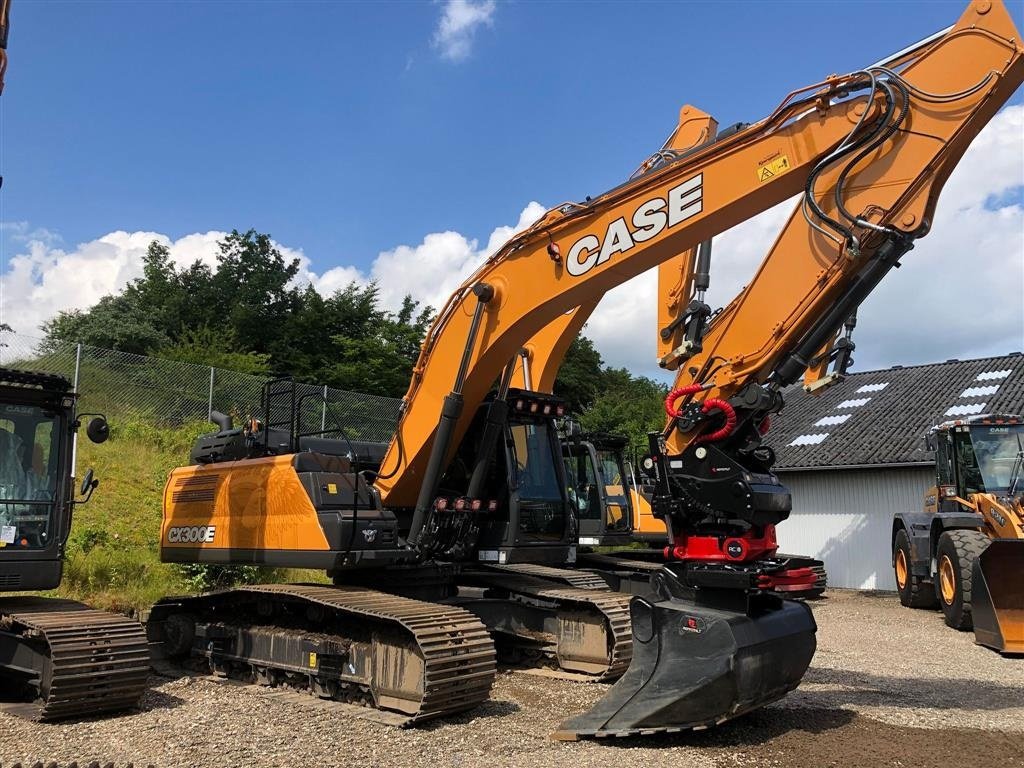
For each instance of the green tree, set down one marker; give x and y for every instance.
(252, 290)
(206, 346)
(579, 377)
(627, 405)
(247, 313)
(115, 322)
(378, 349)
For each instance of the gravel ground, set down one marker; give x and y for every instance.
(888, 687)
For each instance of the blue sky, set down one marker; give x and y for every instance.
(341, 128)
(376, 142)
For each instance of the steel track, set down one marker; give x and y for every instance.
(93, 662)
(442, 662)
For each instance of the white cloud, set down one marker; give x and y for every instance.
(460, 19)
(957, 295)
(429, 271)
(43, 279)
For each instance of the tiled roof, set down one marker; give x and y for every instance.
(881, 417)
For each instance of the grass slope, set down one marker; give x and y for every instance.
(113, 558)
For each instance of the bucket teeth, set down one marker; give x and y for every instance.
(695, 666)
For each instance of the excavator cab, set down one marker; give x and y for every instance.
(525, 478)
(37, 423)
(599, 489)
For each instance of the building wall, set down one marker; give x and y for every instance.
(844, 517)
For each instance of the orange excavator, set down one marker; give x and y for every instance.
(442, 544)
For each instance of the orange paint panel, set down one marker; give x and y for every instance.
(249, 504)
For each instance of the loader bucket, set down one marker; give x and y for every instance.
(997, 596)
(695, 666)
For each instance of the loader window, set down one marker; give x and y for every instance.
(28, 476)
(986, 455)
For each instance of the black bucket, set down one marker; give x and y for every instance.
(697, 664)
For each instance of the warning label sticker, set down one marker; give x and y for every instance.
(772, 168)
(8, 534)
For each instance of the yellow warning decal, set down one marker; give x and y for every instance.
(312, 661)
(332, 488)
(772, 168)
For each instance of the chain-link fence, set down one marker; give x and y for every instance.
(119, 384)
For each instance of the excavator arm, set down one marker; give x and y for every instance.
(869, 151)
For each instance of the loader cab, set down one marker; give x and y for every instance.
(598, 486)
(37, 425)
(976, 455)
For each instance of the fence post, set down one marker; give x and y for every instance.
(209, 410)
(323, 414)
(78, 364)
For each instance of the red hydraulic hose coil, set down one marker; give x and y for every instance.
(730, 420)
(675, 394)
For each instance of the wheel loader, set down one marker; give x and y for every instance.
(965, 551)
(444, 544)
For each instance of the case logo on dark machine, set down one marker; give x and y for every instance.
(649, 220)
(191, 534)
(694, 624)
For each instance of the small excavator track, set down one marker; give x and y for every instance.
(420, 660)
(579, 579)
(84, 662)
(594, 634)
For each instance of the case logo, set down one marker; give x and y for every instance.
(649, 220)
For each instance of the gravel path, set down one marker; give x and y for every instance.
(884, 678)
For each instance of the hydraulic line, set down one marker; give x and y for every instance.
(890, 129)
(450, 412)
(844, 150)
(494, 425)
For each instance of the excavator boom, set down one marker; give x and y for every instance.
(815, 142)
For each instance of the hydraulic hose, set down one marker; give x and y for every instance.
(675, 394)
(711, 404)
(730, 420)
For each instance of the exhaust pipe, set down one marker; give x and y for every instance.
(222, 420)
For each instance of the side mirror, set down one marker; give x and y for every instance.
(89, 484)
(98, 431)
(930, 442)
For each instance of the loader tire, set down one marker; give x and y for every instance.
(914, 593)
(956, 553)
